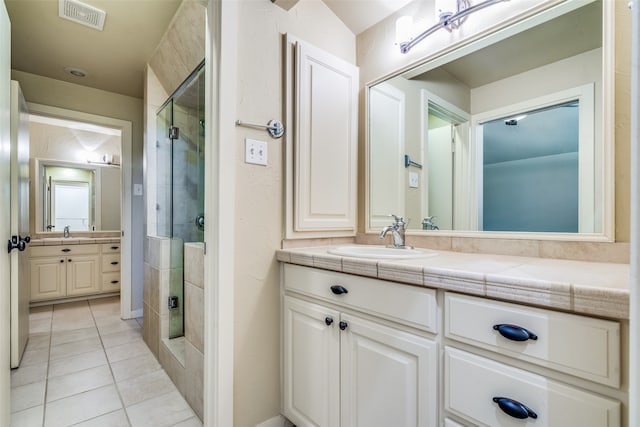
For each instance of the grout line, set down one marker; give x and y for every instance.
(115, 383)
(46, 376)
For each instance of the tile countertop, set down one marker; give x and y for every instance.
(598, 289)
(52, 241)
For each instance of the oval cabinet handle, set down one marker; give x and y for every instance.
(115, 247)
(514, 409)
(328, 320)
(343, 325)
(114, 262)
(339, 289)
(514, 332)
(113, 282)
(66, 250)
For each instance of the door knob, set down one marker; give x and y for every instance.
(16, 243)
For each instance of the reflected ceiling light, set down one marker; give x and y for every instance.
(450, 14)
(76, 72)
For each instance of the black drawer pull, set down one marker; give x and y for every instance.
(66, 250)
(115, 247)
(338, 290)
(514, 408)
(114, 262)
(343, 325)
(514, 332)
(328, 320)
(69, 260)
(113, 282)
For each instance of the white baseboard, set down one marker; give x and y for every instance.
(277, 421)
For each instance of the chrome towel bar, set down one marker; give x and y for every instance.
(274, 127)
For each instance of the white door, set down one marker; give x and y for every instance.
(440, 176)
(312, 364)
(5, 198)
(389, 377)
(386, 136)
(19, 223)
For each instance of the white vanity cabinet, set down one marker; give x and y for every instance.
(71, 270)
(357, 351)
(502, 391)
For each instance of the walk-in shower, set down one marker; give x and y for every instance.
(180, 184)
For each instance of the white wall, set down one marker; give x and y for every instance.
(259, 201)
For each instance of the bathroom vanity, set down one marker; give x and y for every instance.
(454, 339)
(65, 268)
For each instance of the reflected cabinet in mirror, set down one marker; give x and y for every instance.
(511, 136)
(83, 197)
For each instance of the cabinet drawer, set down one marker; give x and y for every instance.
(579, 345)
(41, 251)
(473, 382)
(405, 304)
(110, 282)
(110, 262)
(110, 248)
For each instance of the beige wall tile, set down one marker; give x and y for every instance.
(173, 367)
(194, 385)
(146, 285)
(528, 248)
(154, 290)
(586, 251)
(194, 264)
(194, 315)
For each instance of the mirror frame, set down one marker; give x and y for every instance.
(491, 36)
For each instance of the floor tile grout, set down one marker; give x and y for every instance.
(105, 321)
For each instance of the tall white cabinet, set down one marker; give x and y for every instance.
(321, 145)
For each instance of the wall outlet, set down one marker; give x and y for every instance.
(413, 180)
(255, 152)
(137, 189)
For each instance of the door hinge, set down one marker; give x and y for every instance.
(174, 132)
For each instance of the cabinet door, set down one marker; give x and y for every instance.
(325, 142)
(311, 364)
(48, 278)
(83, 275)
(389, 377)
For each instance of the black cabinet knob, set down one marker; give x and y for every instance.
(338, 290)
(514, 332)
(514, 408)
(61, 261)
(328, 321)
(343, 325)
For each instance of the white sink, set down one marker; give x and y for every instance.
(368, 251)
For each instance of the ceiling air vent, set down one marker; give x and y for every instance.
(82, 13)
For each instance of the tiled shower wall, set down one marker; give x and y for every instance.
(182, 358)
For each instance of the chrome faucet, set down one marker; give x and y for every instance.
(397, 230)
(66, 231)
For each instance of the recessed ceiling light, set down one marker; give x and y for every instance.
(76, 72)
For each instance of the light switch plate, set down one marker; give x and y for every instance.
(413, 180)
(255, 152)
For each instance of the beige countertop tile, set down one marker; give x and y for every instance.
(595, 288)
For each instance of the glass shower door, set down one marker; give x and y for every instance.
(180, 185)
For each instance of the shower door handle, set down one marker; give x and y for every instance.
(200, 222)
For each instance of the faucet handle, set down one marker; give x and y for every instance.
(398, 219)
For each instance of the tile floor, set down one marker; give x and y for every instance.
(83, 366)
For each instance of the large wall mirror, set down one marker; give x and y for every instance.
(84, 197)
(511, 135)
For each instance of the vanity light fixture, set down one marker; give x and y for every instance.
(447, 19)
